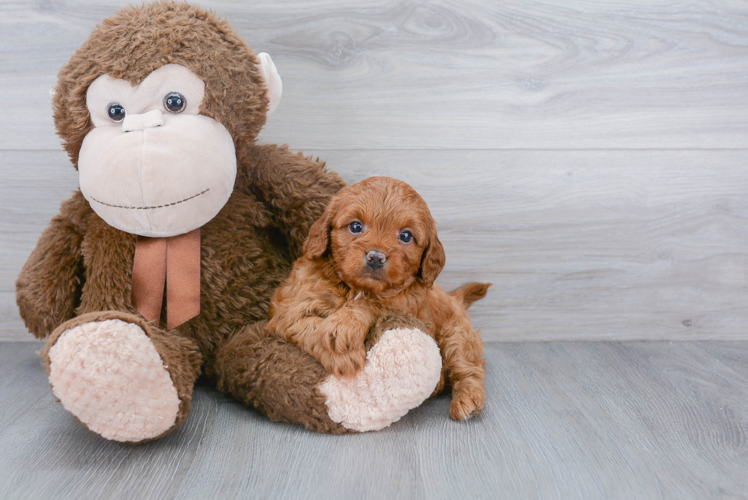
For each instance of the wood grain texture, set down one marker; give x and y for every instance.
(611, 420)
(579, 244)
(445, 74)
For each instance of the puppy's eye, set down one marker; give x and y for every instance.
(116, 112)
(406, 236)
(174, 102)
(355, 227)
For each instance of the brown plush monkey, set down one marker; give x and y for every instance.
(162, 265)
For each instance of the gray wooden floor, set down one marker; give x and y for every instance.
(597, 420)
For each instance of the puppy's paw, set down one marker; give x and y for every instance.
(344, 365)
(466, 404)
(344, 335)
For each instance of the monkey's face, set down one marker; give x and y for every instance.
(153, 165)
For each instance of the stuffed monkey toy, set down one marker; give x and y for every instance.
(161, 266)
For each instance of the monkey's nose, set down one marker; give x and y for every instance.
(376, 259)
(153, 118)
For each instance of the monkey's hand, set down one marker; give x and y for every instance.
(48, 284)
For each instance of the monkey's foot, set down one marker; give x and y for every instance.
(111, 377)
(401, 371)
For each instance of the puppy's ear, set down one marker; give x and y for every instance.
(318, 241)
(433, 259)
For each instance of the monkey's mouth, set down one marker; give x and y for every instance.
(154, 206)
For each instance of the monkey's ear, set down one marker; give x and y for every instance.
(273, 82)
(433, 259)
(318, 241)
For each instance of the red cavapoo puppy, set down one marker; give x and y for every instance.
(375, 250)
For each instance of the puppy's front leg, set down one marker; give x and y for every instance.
(311, 334)
(462, 351)
(347, 327)
(344, 334)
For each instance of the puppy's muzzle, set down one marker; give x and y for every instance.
(376, 259)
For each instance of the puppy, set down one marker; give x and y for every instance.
(375, 250)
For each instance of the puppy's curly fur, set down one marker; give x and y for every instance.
(375, 250)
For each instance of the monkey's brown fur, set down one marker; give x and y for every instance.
(81, 269)
(167, 33)
(333, 297)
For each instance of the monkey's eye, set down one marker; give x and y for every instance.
(174, 102)
(405, 236)
(116, 112)
(355, 227)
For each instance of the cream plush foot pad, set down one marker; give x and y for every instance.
(401, 371)
(110, 376)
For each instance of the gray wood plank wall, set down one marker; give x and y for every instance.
(589, 158)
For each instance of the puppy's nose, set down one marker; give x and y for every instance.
(375, 259)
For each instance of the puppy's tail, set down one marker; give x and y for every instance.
(467, 294)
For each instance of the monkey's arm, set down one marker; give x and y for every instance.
(49, 284)
(296, 189)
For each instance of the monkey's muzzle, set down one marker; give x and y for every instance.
(158, 179)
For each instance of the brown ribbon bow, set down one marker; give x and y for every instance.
(176, 262)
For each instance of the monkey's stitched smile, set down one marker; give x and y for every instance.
(153, 207)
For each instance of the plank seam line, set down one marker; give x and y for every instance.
(437, 149)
